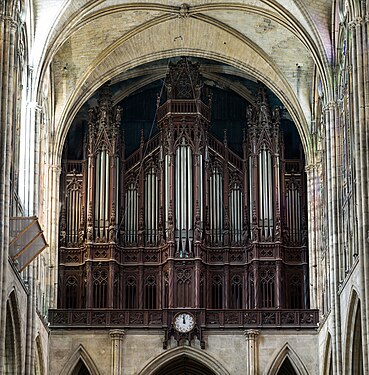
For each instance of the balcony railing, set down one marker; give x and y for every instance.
(113, 318)
(182, 106)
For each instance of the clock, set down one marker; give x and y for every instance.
(184, 322)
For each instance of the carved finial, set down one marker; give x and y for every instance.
(118, 116)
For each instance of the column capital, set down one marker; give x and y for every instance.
(330, 105)
(117, 334)
(251, 333)
(309, 168)
(56, 168)
(10, 21)
(358, 21)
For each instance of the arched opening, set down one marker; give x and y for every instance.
(184, 365)
(286, 362)
(225, 170)
(328, 357)
(10, 352)
(80, 369)
(12, 360)
(39, 358)
(357, 346)
(286, 368)
(184, 360)
(354, 346)
(80, 363)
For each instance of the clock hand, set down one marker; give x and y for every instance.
(184, 319)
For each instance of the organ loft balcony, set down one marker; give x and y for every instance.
(183, 108)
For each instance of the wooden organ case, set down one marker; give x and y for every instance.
(183, 221)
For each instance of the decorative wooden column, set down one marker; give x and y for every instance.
(117, 340)
(251, 351)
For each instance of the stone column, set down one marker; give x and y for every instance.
(117, 337)
(252, 364)
(9, 27)
(312, 234)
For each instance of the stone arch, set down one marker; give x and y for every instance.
(13, 344)
(39, 357)
(129, 52)
(353, 337)
(196, 355)
(89, 84)
(80, 354)
(328, 356)
(286, 353)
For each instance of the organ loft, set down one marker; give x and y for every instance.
(184, 221)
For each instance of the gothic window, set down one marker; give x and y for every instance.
(184, 283)
(217, 292)
(150, 292)
(295, 292)
(216, 206)
(71, 292)
(151, 207)
(267, 294)
(236, 292)
(131, 293)
(100, 289)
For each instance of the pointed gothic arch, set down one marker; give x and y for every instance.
(353, 341)
(13, 347)
(294, 361)
(74, 362)
(328, 356)
(193, 355)
(39, 367)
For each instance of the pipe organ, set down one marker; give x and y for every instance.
(184, 220)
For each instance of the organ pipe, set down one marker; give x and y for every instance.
(184, 199)
(151, 207)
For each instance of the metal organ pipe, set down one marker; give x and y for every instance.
(97, 194)
(131, 215)
(251, 199)
(266, 193)
(167, 189)
(184, 199)
(216, 206)
(235, 205)
(152, 206)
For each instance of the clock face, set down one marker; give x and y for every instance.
(184, 322)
